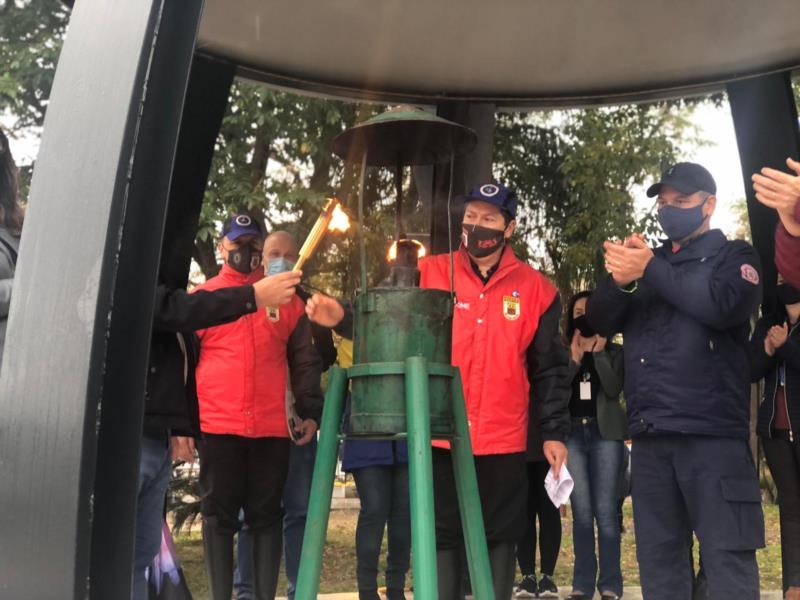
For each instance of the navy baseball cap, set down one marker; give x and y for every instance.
(501, 196)
(241, 225)
(687, 178)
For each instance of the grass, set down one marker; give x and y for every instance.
(339, 563)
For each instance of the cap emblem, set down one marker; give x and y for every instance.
(489, 190)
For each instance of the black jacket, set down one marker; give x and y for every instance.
(686, 330)
(766, 367)
(171, 398)
(551, 386)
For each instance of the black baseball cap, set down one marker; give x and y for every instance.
(687, 178)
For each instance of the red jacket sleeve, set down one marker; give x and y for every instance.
(787, 254)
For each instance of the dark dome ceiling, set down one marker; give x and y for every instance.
(514, 52)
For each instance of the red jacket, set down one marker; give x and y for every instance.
(787, 252)
(243, 370)
(493, 326)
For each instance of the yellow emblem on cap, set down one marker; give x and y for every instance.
(274, 313)
(511, 308)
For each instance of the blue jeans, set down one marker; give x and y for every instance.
(295, 505)
(595, 465)
(383, 491)
(155, 467)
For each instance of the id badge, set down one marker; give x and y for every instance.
(586, 390)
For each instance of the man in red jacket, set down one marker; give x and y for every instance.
(507, 345)
(242, 376)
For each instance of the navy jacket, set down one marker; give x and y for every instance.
(357, 454)
(686, 329)
(767, 367)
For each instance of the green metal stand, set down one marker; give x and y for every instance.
(417, 372)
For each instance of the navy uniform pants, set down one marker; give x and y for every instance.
(707, 485)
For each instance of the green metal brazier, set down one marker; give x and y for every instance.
(392, 324)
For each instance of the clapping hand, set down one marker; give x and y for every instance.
(780, 191)
(627, 261)
(775, 338)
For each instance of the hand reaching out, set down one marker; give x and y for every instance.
(324, 310)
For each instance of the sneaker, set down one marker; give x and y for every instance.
(527, 587)
(547, 587)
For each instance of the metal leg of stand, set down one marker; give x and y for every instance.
(469, 501)
(319, 505)
(420, 473)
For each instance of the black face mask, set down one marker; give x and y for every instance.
(244, 259)
(582, 325)
(787, 294)
(482, 241)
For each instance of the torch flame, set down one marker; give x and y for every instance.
(392, 254)
(339, 220)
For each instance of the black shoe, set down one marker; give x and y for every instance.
(576, 596)
(527, 588)
(547, 588)
(368, 595)
(609, 596)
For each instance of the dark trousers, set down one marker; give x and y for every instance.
(383, 491)
(502, 486)
(706, 485)
(539, 506)
(242, 473)
(783, 458)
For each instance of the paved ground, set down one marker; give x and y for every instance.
(632, 593)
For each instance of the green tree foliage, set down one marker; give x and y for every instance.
(578, 174)
(273, 161)
(31, 34)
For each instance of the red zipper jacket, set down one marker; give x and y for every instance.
(243, 369)
(494, 326)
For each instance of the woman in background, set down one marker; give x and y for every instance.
(595, 445)
(11, 215)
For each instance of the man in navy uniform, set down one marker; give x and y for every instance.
(684, 311)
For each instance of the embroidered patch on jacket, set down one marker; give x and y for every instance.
(274, 313)
(749, 273)
(511, 308)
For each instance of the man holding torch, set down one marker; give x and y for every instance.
(507, 345)
(241, 387)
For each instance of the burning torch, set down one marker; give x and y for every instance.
(332, 218)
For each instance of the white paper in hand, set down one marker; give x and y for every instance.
(559, 490)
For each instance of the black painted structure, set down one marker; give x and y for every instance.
(123, 165)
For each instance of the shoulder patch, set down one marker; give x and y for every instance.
(749, 274)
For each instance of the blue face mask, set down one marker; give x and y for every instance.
(680, 223)
(279, 265)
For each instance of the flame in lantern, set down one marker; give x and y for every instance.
(339, 219)
(392, 254)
